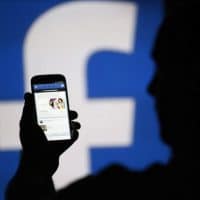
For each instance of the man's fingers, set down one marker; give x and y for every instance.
(75, 135)
(73, 114)
(75, 125)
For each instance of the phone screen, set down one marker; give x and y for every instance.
(52, 110)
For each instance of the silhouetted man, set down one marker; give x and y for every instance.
(175, 87)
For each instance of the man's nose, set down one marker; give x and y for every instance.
(152, 87)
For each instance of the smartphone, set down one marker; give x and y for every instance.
(52, 106)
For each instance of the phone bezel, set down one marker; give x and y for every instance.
(51, 78)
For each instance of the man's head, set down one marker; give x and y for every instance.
(175, 85)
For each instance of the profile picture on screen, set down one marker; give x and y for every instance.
(52, 103)
(60, 103)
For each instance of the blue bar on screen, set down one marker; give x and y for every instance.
(48, 86)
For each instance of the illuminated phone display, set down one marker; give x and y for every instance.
(52, 110)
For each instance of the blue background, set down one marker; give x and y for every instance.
(120, 75)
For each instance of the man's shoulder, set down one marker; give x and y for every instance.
(114, 179)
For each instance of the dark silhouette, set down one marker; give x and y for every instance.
(175, 87)
(39, 158)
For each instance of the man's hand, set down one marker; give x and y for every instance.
(37, 150)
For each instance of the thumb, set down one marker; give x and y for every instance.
(31, 135)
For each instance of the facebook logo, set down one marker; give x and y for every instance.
(103, 48)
